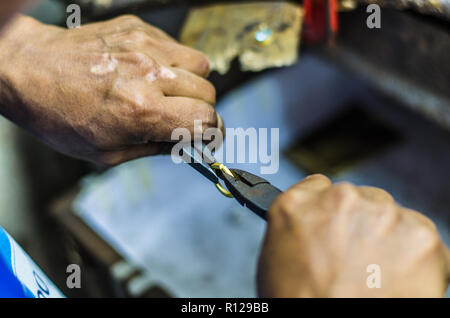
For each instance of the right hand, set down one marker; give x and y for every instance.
(106, 92)
(321, 238)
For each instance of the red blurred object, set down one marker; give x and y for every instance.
(333, 15)
(321, 20)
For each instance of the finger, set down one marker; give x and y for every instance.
(314, 182)
(375, 194)
(186, 58)
(447, 262)
(156, 43)
(116, 157)
(132, 22)
(182, 83)
(155, 32)
(420, 218)
(184, 112)
(221, 125)
(158, 33)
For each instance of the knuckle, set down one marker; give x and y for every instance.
(375, 194)
(422, 231)
(138, 35)
(143, 61)
(154, 31)
(129, 18)
(344, 190)
(284, 205)
(431, 242)
(389, 212)
(318, 179)
(428, 228)
(341, 196)
(345, 187)
(425, 221)
(318, 176)
(388, 218)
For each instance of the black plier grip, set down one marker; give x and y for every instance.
(251, 191)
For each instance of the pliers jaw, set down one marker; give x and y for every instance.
(250, 191)
(197, 159)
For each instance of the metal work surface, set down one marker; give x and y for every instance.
(192, 241)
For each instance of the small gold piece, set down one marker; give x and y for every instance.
(223, 168)
(224, 191)
(220, 166)
(261, 34)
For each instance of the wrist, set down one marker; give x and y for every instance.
(16, 35)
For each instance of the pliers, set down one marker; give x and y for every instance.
(251, 191)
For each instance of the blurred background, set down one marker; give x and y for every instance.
(370, 106)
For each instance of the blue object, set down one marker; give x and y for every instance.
(20, 277)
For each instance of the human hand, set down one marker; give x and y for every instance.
(321, 238)
(106, 92)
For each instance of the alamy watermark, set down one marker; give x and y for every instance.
(74, 18)
(374, 279)
(250, 145)
(74, 278)
(374, 19)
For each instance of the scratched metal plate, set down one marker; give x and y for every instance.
(226, 31)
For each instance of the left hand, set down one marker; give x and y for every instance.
(106, 92)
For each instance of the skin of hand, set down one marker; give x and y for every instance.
(106, 92)
(321, 238)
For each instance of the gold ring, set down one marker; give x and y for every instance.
(223, 168)
(224, 191)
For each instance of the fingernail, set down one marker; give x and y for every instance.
(206, 67)
(220, 124)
